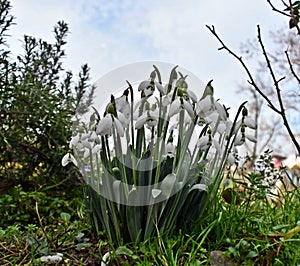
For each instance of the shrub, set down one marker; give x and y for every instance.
(37, 101)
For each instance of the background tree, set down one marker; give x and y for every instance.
(38, 99)
(270, 133)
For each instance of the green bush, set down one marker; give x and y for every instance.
(38, 98)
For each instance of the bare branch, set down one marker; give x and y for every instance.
(291, 67)
(239, 58)
(277, 10)
(276, 84)
(281, 109)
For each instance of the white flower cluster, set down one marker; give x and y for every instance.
(170, 116)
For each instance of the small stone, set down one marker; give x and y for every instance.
(218, 258)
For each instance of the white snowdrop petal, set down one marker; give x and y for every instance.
(93, 136)
(170, 148)
(217, 146)
(221, 128)
(203, 141)
(73, 160)
(85, 136)
(204, 105)
(237, 126)
(140, 122)
(74, 140)
(238, 140)
(252, 138)
(143, 85)
(161, 88)
(86, 153)
(192, 96)
(104, 126)
(119, 127)
(189, 108)
(148, 91)
(231, 159)
(65, 159)
(221, 111)
(151, 122)
(251, 123)
(174, 108)
(96, 149)
(86, 144)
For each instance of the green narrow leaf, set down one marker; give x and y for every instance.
(134, 215)
(167, 184)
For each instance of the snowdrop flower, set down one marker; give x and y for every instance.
(140, 122)
(203, 106)
(188, 107)
(203, 143)
(93, 136)
(192, 96)
(221, 110)
(151, 122)
(119, 127)
(217, 146)
(166, 100)
(124, 120)
(104, 126)
(123, 106)
(238, 140)
(170, 148)
(68, 158)
(96, 149)
(231, 159)
(237, 126)
(174, 108)
(251, 138)
(249, 122)
(74, 141)
(147, 87)
(221, 127)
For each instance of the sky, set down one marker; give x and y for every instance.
(111, 34)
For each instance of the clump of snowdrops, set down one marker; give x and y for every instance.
(154, 164)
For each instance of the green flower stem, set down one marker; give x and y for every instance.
(178, 200)
(229, 144)
(121, 164)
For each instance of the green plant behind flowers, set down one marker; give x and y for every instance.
(155, 164)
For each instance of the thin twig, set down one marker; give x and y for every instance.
(239, 58)
(277, 10)
(291, 67)
(278, 92)
(280, 110)
(41, 225)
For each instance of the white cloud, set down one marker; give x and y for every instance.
(109, 34)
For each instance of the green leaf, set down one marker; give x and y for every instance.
(31, 240)
(124, 251)
(65, 216)
(134, 215)
(251, 254)
(83, 245)
(167, 184)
